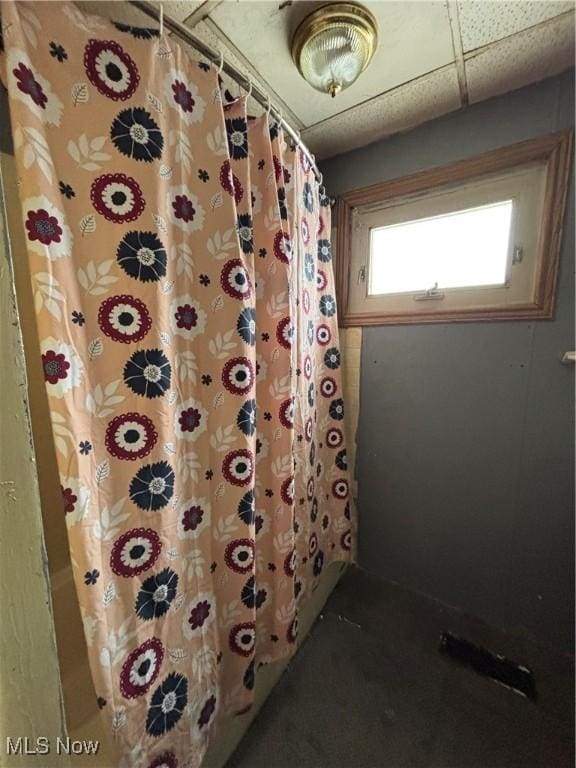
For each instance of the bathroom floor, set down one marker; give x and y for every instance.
(368, 689)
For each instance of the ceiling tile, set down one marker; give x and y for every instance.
(532, 55)
(415, 38)
(180, 9)
(409, 105)
(127, 14)
(206, 31)
(485, 21)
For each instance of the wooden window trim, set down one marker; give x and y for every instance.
(554, 150)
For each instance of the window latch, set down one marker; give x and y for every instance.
(432, 294)
(517, 255)
(361, 275)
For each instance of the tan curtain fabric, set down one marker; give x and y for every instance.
(181, 267)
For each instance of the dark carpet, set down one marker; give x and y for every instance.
(369, 689)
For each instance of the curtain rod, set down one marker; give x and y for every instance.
(262, 98)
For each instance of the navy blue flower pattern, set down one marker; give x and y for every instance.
(309, 266)
(332, 358)
(66, 190)
(237, 132)
(91, 577)
(152, 486)
(247, 417)
(327, 306)
(308, 197)
(246, 233)
(324, 251)
(156, 595)
(148, 373)
(247, 508)
(136, 134)
(167, 705)
(140, 33)
(341, 460)
(246, 325)
(282, 204)
(57, 52)
(142, 256)
(336, 409)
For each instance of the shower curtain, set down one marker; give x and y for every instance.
(180, 258)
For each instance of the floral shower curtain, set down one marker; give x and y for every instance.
(181, 271)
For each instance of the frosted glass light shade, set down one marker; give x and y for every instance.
(333, 46)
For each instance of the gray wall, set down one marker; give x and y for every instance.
(466, 436)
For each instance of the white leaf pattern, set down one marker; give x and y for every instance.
(101, 401)
(102, 471)
(95, 348)
(34, 148)
(182, 149)
(95, 280)
(109, 594)
(86, 153)
(177, 655)
(48, 294)
(154, 102)
(80, 93)
(87, 224)
(30, 25)
(160, 223)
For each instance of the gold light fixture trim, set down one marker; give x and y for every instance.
(334, 45)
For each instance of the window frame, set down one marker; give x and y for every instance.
(553, 151)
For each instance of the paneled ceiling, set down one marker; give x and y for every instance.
(434, 56)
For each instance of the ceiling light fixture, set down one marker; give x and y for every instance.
(334, 45)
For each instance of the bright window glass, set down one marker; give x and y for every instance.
(456, 250)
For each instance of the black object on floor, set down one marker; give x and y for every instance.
(368, 689)
(492, 665)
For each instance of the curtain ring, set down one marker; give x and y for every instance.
(221, 67)
(268, 107)
(161, 19)
(249, 93)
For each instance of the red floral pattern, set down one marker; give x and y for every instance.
(130, 436)
(55, 366)
(69, 499)
(117, 197)
(28, 84)
(182, 96)
(111, 69)
(141, 668)
(135, 551)
(124, 318)
(43, 227)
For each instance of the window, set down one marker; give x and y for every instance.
(476, 240)
(461, 249)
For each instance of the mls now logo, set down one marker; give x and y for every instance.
(23, 745)
(26, 746)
